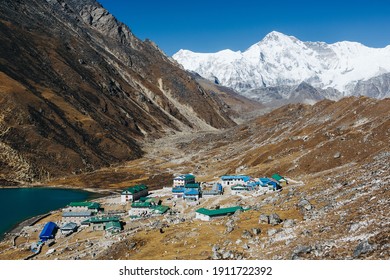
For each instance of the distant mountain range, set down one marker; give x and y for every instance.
(283, 69)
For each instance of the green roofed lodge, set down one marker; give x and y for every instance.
(83, 206)
(134, 193)
(209, 214)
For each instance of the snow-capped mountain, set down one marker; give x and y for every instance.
(281, 60)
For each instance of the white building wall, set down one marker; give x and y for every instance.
(229, 183)
(202, 217)
(192, 197)
(132, 197)
(177, 195)
(178, 183)
(126, 197)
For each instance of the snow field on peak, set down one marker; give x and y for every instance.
(281, 60)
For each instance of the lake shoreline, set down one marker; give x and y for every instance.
(94, 194)
(15, 231)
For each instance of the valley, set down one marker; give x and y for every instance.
(334, 181)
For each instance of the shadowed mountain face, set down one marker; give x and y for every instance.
(78, 91)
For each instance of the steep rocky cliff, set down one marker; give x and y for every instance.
(79, 91)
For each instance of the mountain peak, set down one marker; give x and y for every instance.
(276, 36)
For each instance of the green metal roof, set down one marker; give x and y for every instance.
(135, 189)
(113, 225)
(220, 211)
(135, 216)
(189, 177)
(277, 177)
(192, 186)
(141, 204)
(97, 220)
(186, 177)
(69, 226)
(160, 209)
(90, 205)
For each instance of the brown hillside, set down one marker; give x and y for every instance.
(295, 140)
(79, 91)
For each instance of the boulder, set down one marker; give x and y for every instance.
(230, 223)
(264, 219)
(246, 234)
(299, 251)
(227, 243)
(363, 248)
(229, 229)
(216, 256)
(228, 254)
(215, 248)
(274, 219)
(305, 204)
(272, 231)
(132, 245)
(288, 223)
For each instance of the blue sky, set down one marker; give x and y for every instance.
(210, 26)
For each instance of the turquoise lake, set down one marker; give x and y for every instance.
(19, 204)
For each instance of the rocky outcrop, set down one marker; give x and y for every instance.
(377, 87)
(274, 219)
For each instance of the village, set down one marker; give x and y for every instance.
(124, 213)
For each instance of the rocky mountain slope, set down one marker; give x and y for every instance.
(377, 87)
(239, 107)
(279, 61)
(79, 91)
(295, 140)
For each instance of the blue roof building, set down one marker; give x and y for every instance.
(274, 185)
(253, 184)
(264, 181)
(178, 192)
(191, 194)
(48, 231)
(231, 180)
(243, 178)
(219, 187)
